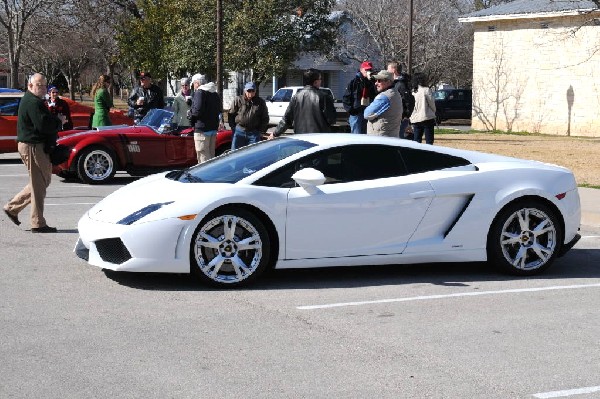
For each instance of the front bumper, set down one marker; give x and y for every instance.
(158, 246)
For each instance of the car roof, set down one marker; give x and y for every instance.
(339, 139)
(14, 94)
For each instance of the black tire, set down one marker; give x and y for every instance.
(525, 238)
(216, 256)
(96, 165)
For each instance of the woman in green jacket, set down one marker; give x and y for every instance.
(102, 102)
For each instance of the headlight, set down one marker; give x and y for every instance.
(134, 217)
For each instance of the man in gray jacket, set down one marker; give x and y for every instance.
(310, 110)
(384, 114)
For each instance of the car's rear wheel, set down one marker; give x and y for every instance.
(230, 247)
(525, 238)
(96, 165)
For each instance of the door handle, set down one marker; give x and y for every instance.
(422, 194)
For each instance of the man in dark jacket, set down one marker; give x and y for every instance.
(37, 131)
(248, 117)
(205, 117)
(403, 85)
(360, 92)
(145, 97)
(310, 110)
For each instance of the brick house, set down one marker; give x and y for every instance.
(536, 67)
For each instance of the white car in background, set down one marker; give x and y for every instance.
(278, 104)
(322, 200)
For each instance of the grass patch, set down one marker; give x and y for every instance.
(586, 185)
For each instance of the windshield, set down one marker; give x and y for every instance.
(238, 164)
(155, 118)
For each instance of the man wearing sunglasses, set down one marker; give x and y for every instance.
(384, 114)
(248, 117)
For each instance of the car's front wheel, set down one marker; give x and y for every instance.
(230, 247)
(525, 238)
(96, 165)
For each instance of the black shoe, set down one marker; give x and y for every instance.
(45, 229)
(12, 217)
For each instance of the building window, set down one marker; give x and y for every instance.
(492, 28)
(544, 25)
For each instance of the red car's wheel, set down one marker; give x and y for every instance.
(96, 164)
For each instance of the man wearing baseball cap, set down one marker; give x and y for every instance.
(360, 92)
(384, 114)
(145, 97)
(248, 117)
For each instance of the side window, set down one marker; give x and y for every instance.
(368, 162)
(342, 165)
(419, 161)
(282, 95)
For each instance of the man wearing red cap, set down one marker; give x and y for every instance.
(360, 92)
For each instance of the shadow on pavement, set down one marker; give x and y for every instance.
(444, 274)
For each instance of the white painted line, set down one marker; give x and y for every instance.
(569, 392)
(24, 174)
(457, 295)
(73, 203)
(584, 237)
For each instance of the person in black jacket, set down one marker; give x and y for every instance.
(402, 83)
(360, 92)
(145, 97)
(310, 110)
(205, 117)
(59, 108)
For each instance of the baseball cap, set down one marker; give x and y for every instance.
(250, 86)
(384, 75)
(145, 75)
(367, 65)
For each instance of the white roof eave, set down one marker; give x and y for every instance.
(554, 14)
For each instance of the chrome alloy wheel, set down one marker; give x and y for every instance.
(228, 249)
(528, 239)
(98, 165)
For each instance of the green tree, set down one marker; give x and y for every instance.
(264, 36)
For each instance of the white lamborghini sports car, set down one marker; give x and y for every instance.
(322, 200)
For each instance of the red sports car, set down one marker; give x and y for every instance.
(9, 105)
(154, 145)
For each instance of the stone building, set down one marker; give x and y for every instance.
(536, 67)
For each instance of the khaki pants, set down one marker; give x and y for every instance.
(34, 193)
(205, 146)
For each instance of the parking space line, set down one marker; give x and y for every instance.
(445, 296)
(73, 203)
(565, 393)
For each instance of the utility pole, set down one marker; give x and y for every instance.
(410, 38)
(219, 77)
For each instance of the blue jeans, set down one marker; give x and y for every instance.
(242, 138)
(425, 127)
(358, 124)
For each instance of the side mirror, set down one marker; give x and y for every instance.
(309, 179)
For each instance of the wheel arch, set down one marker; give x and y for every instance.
(264, 218)
(526, 198)
(95, 142)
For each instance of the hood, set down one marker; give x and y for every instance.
(210, 87)
(149, 191)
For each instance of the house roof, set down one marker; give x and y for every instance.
(520, 9)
